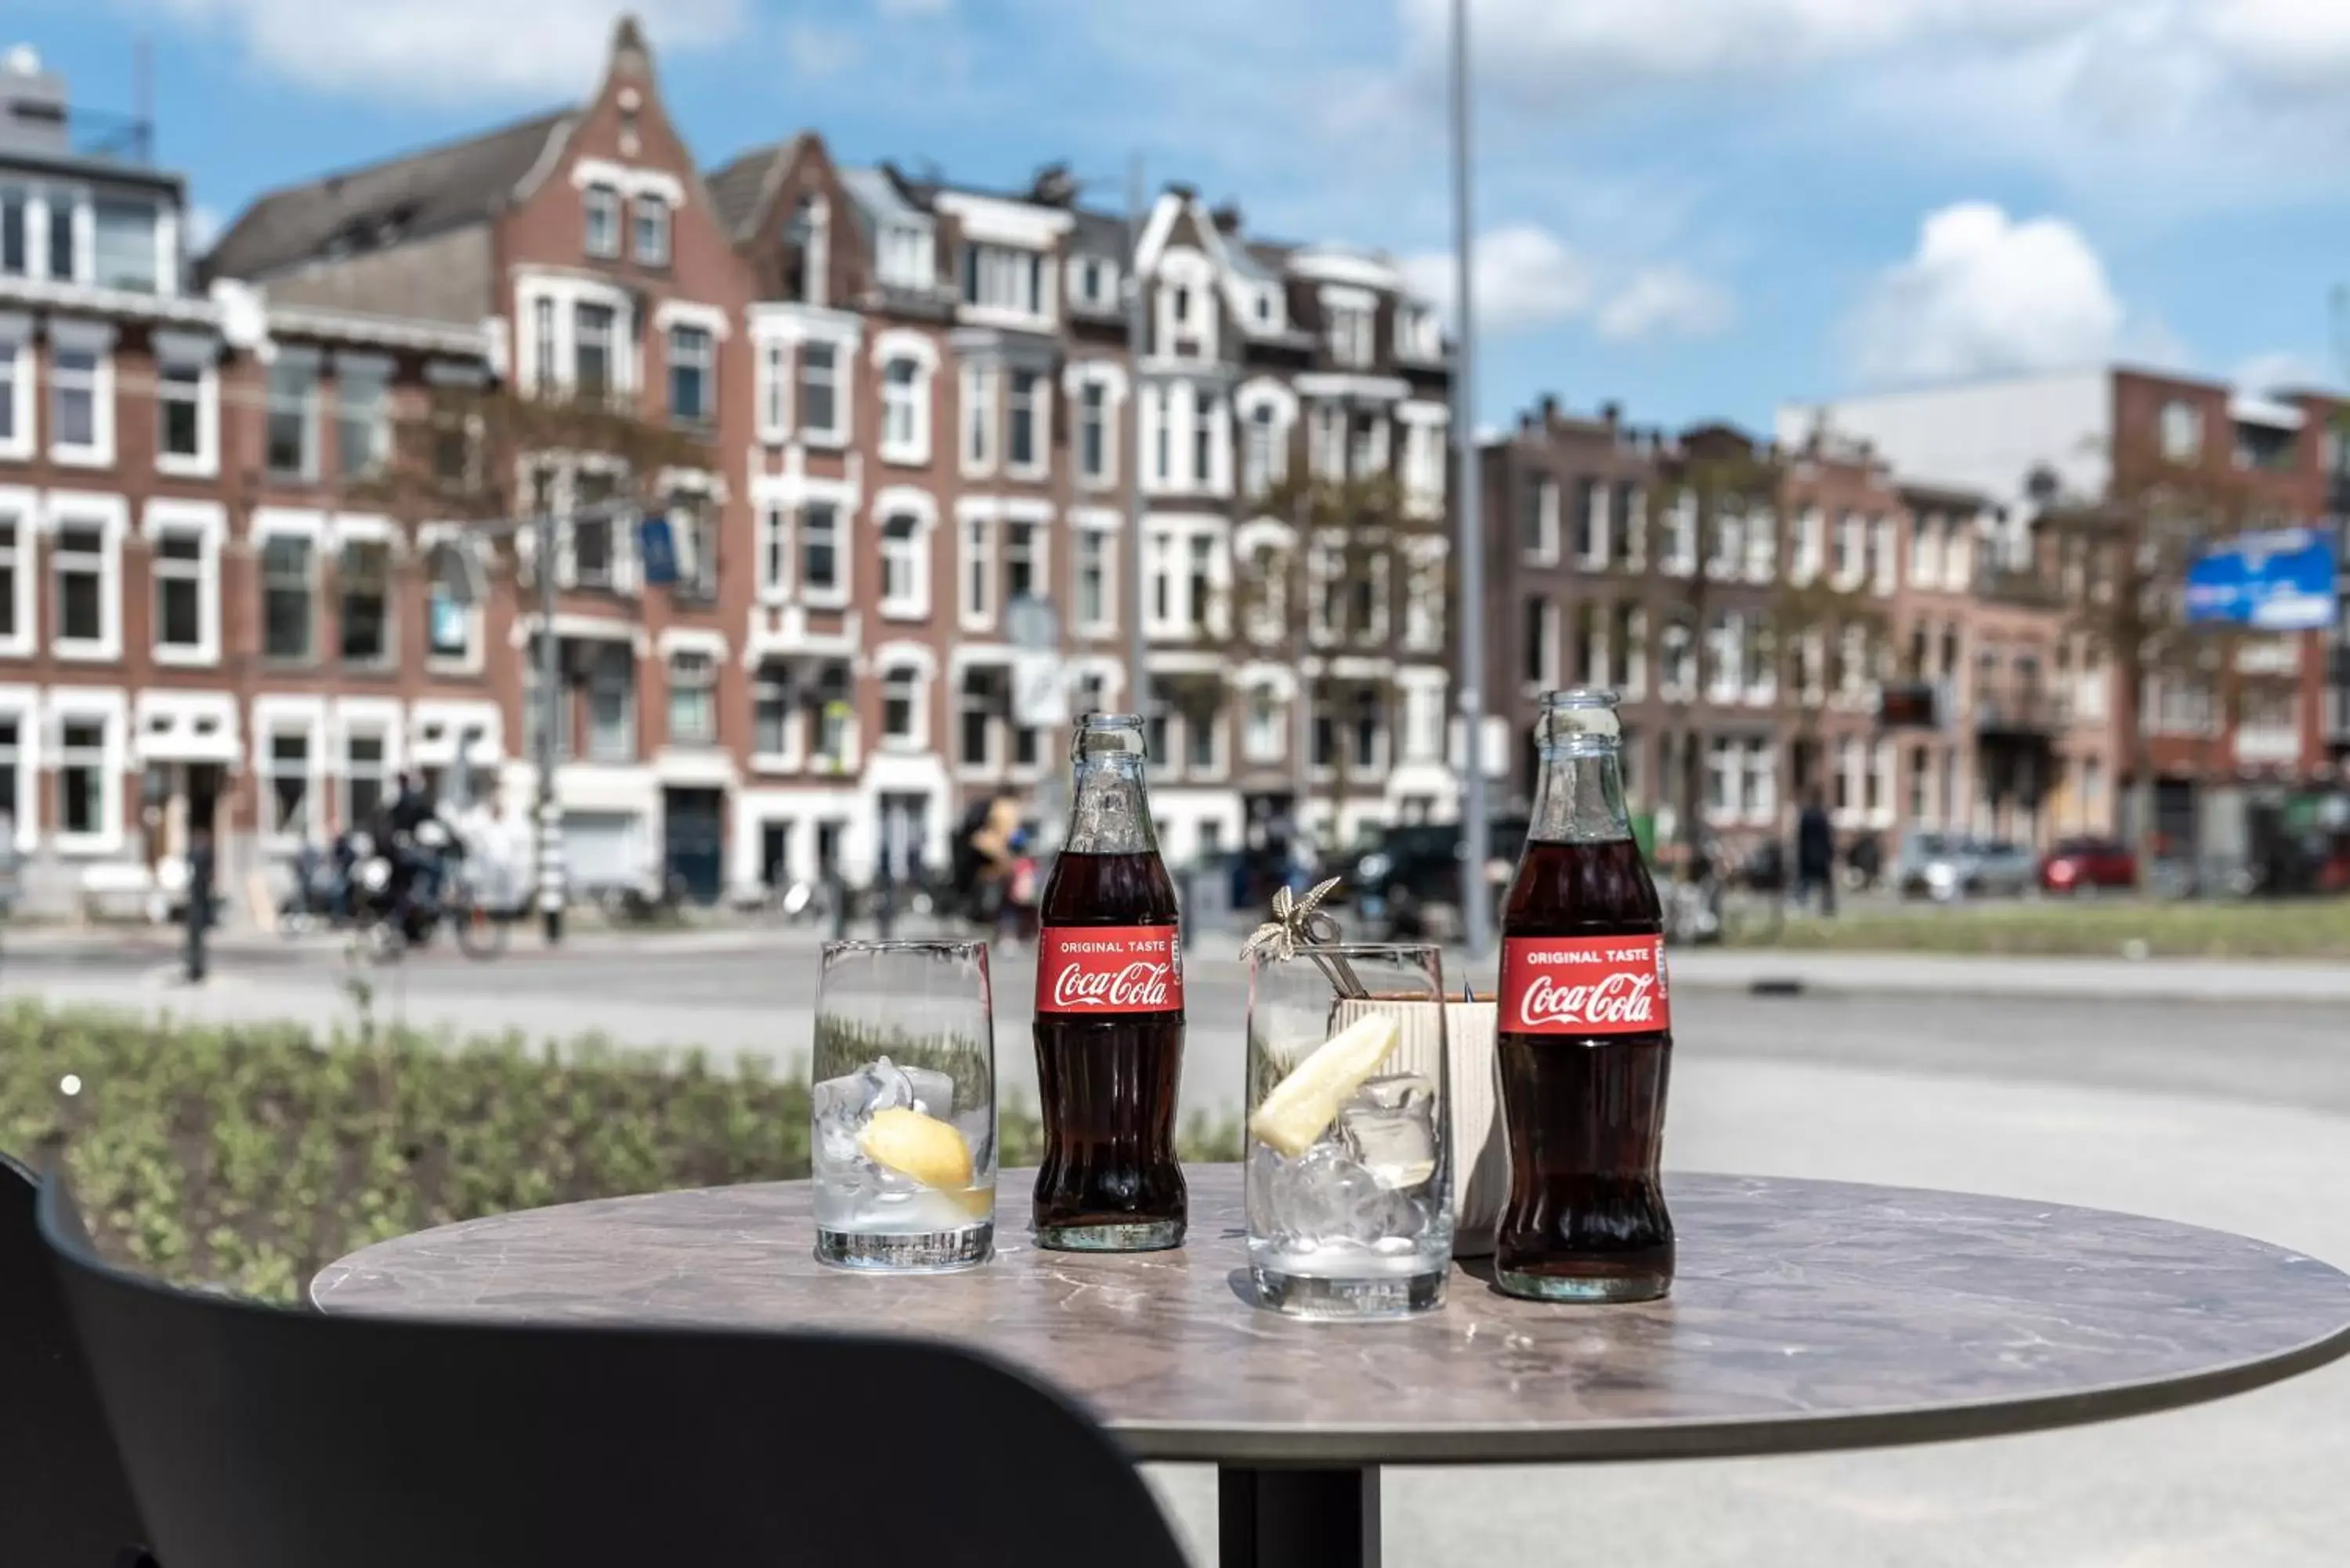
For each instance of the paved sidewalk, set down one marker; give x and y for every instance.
(2167, 978)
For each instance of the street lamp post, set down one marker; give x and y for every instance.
(1136, 334)
(548, 817)
(1469, 617)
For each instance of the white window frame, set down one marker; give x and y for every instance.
(20, 705)
(21, 507)
(905, 501)
(975, 570)
(912, 446)
(1101, 531)
(774, 391)
(110, 711)
(642, 206)
(207, 523)
(1885, 552)
(1270, 746)
(200, 353)
(673, 660)
(1545, 552)
(111, 515)
(372, 718)
(979, 421)
(564, 292)
(906, 255)
(1808, 560)
(16, 377)
(96, 339)
(842, 388)
(1110, 377)
(843, 551)
(1040, 414)
(605, 201)
(431, 537)
(708, 366)
(917, 661)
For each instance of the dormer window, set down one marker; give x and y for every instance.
(1351, 335)
(1263, 308)
(998, 277)
(907, 256)
(1095, 287)
(652, 236)
(125, 251)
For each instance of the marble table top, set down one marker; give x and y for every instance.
(1805, 1314)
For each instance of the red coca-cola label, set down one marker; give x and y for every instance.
(1109, 968)
(1584, 986)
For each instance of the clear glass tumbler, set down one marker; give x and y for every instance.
(902, 1142)
(1349, 1179)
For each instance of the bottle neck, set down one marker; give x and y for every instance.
(1110, 813)
(1580, 799)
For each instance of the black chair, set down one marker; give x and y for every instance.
(266, 1439)
(65, 1501)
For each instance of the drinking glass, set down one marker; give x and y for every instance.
(1349, 1165)
(902, 1141)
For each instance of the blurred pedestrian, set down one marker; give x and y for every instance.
(1815, 854)
(200, 900)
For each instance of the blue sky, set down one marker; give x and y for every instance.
(1697, 208)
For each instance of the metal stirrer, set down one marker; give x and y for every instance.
(1297, 926)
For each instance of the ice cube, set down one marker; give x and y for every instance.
(1389, 1125)
(1326, 1195)
(933, 1090)
(841, 1107)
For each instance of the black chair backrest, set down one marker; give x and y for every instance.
(266, 1439)
(65, 1501)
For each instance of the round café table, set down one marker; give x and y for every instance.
(1805, 1315)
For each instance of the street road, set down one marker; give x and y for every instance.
(2228, 1113)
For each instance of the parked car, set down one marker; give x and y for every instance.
(2088, 865)
(1945, 867)
(1416, 870)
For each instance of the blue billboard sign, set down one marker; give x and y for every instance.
(656, 547)
(2278, 580)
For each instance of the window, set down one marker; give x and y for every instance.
(901, 695)
(1761, 782)
(1207, 421)
(123, 253)
(1538, 521)
(976, 731)
(693, 698)
(289, 785)
(612, 703)
(1024, 441)
(1021, 575)
(908, 258)
(363, 779)
(78, 561)
(771, 713)
(180, 400)
(977, 570)
(1201, 583)
(1722, 773)
(286, 601)
(77, 377)
(1366, 447)
(1423, 606)
(1852, 551)
(691, 375)
(1587, 521)
(64, 253)
(1886, 547)
(1264, 730)
(12, 581)
(905, 424)
(1199, 736)
(1423, 723)
(592, 348)
(978, 418)
(652, 229)
(1093, 432)
(181, 617)
(820, 573)
(774, 391)
(16, 256)
(591, 550)
(998, 278)
(2181, 432)
(362, 430)
(819, 391)
(449, 624)
(15, 399)
(1351, 335)
(291, 441)
(1095, 282)
(363, 579)
(1157, 410)
(603, 210)
(1094, 612)
(1257, 467)
(905, 567)
(1677, 671)
(1540, 668)
(1325, 442)
(82, 774)
(1762, 546)
(1367, 728)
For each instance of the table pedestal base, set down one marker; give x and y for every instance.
(1297, 1518)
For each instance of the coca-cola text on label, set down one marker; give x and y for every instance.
(1585, 985)
(1109, 968)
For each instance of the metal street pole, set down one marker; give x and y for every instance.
(1137, 642)
(550, 716)
(1469, 617)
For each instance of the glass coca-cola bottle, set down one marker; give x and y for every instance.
(1110, 1012)
(1584, 1032)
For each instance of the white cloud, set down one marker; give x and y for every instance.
(2283, 370)
(1668, 301)
(1526, 276)
(449, 50)
(1984, 295)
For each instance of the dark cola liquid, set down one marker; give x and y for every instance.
(1110, 1180)
(1586, 1113)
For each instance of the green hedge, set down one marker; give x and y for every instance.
(249, 1156)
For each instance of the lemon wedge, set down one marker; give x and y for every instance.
(930, 1151)
(1304, 1102)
